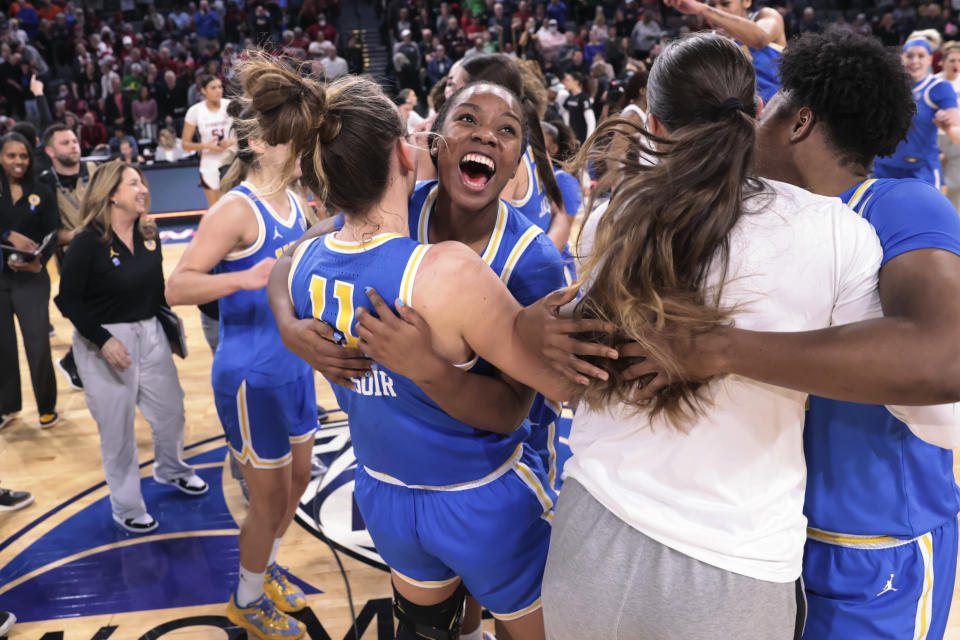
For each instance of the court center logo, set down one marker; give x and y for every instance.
(328, 509)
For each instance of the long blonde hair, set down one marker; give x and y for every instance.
(668, 222)
(95, 206)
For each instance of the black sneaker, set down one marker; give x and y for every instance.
(69, 369)
(322, 414)
(143, 524)
(7, 620)
(13, 500)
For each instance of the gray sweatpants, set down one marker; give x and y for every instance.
(605, 580)
(150, 383)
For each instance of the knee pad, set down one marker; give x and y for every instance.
(439, 621)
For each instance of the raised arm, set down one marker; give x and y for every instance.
(757, 34)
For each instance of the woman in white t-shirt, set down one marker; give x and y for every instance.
(683, 517)
(210, 119)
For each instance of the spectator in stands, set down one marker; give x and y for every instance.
(354, 55)
(600, 26)
(809, 23)
(593, 47)
(169, 147)
(145, 114)
(323, 27)
(557, 10)
(443, 19)
(117, 112)
(551, 40)
(133, 81)
(523, 12)
(645, 34)
(333, 65)
(402, 24)
(438, 65)
(119, 137)
(28, 214)
(207, 24)
(406, 56)
(128, 155)
(93, 135)
(454, 39)
(407, 103)
(499, 21)
(261, 24)
(171, 101)
(887, 31)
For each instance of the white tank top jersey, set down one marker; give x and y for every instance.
(211, 127)
(729, 491)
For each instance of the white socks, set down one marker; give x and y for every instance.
(476, 634)
(273, 552)
(250, 587)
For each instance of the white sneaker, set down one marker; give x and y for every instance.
(7, 620)
(140, 524)
(192, 485)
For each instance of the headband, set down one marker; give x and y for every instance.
(918, 42)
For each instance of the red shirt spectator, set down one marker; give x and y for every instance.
(47, 10)
(474, 28)
(523, 12)
(92, 133)
(322, 26)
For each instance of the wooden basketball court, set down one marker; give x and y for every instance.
(69, 573)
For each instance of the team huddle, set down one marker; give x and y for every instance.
(756, 327)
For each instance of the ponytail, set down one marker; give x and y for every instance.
(540, 157)
(667, 225)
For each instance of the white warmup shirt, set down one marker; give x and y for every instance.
(729, 492)
(211, 126)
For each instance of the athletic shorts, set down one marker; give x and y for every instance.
(210, 178)
(494, 536)
(879, 587)
(262, 422)
(920, 171)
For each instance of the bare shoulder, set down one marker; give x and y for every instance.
(768, 14)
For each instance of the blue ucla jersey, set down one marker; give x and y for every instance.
(767, 63)
(535, 205)
(867, 473)
(528, 263)
(399, 434)
(920, 148)
(250, 347)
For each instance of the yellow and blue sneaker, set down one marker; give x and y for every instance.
(262, 620)
(288, 597)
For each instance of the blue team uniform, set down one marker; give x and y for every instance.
(534, 205)
(264, 394)
(919, 155)
(528, 263)
(439, 498)
(767, 63)
(570, 189)
(882, 504)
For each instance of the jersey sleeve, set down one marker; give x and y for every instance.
(191, 117)
(943, 95)
(915, 215)
(857, 265)
(570, 189)
(539, 271)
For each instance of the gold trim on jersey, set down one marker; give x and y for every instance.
(261, 231)
(304, 437)
(291, 218)
(296, 261)
(532, 180)
(862, 189)
(503, 469)
(490, 252)
(551, 445)
(517, 252)
(410, 274)
(358, 246)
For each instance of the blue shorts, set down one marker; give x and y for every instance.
(921, 171)
(262, 422)
(494, 536)
(879, 587)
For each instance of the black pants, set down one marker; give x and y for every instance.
(27, 296)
